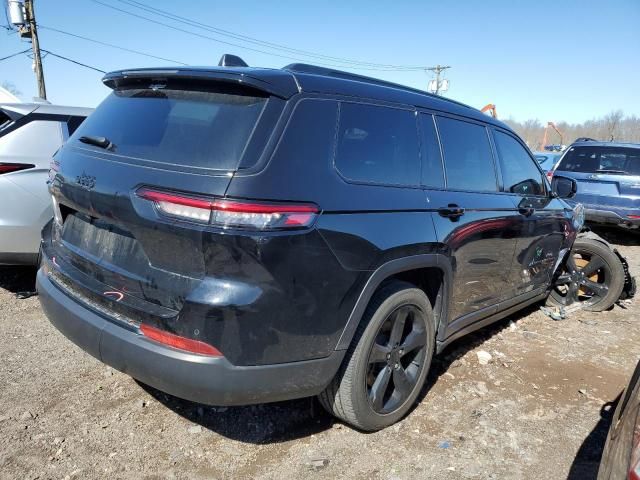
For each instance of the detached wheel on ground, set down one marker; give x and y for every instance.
(388, 360)
(592, 275)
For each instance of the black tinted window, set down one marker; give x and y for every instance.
(519, 173)
(378, 145)
(432, 175)
(181, 127)
(73, 123)
(467, 155)
(599, 159)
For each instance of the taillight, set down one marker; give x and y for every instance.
(181, 343)
(634, 217)
(550, 175)
(233, 213)
(14, 167)
(634, 464)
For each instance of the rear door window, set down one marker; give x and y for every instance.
(601, 159)
(378, 145)
(519, 172)
(467, 156)
(204, 129)
(432, 171)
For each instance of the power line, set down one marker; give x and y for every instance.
(15, 54)
(111, 45)
(263, 43)
(288, 57)
(72, 61)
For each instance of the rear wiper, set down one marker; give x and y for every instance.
(605, 170)
(101, 142)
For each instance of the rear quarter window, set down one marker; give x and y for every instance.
(204, 129)
(378, 145)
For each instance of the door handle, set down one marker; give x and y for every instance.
(451, 211)
(526, 211)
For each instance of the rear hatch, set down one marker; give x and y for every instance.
(608, 177)
(168, 134)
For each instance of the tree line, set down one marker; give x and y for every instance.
(614, 126)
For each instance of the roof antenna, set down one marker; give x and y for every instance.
(228, 60)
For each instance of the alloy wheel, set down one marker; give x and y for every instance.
(585, 278)
(396, 359)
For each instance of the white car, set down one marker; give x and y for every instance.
(30, 133)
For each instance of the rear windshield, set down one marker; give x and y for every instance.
(178, 127)
(598, 159)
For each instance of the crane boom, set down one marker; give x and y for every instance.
(546, 134)
(491, 108)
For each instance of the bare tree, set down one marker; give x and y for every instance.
(612, 122)
(612, 126)
(11, 88)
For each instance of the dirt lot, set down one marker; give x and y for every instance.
(539, 409)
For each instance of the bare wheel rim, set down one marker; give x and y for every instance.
(396, 359)
(586, 277)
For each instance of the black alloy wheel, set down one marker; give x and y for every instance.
(592, 275)
(386, 365)
(396, 359)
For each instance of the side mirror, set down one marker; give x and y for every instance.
(563, 187)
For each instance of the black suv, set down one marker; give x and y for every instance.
(241, 235)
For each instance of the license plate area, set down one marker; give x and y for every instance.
(102, 242)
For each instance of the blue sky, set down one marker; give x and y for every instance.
(544, 59)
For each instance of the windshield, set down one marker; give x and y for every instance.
(600, 159)
(205, 129)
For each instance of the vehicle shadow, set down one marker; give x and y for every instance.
(585, 465)
(618, 236)
(289, 420)
(257, 424)
(471, 341)
(18, 279)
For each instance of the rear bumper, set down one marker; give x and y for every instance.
(612, 217)
(211, 380)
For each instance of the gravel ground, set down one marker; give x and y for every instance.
(539, 409)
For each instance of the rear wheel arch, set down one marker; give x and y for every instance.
(432, 273)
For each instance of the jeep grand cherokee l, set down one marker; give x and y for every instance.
(239, 235)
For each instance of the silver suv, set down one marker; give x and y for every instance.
(30, 133)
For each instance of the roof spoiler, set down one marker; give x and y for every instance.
(16, 110)
(277, 85)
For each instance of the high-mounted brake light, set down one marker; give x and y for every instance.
(233, 213)
(181, 343)
(14, 167)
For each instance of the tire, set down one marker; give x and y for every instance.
(350, 395)
(610, 275)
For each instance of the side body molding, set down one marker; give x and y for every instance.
(433, 260)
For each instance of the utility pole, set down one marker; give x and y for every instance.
(437, 85)
(35, 44)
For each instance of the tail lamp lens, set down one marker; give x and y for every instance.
(181, 343)
(14, 167)
(233, 213)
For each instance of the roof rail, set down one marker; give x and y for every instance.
(330, 72)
